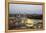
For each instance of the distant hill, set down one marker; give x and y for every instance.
(31, 16)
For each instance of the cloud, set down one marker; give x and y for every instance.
(25, 9)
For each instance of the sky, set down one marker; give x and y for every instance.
(25, 9)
